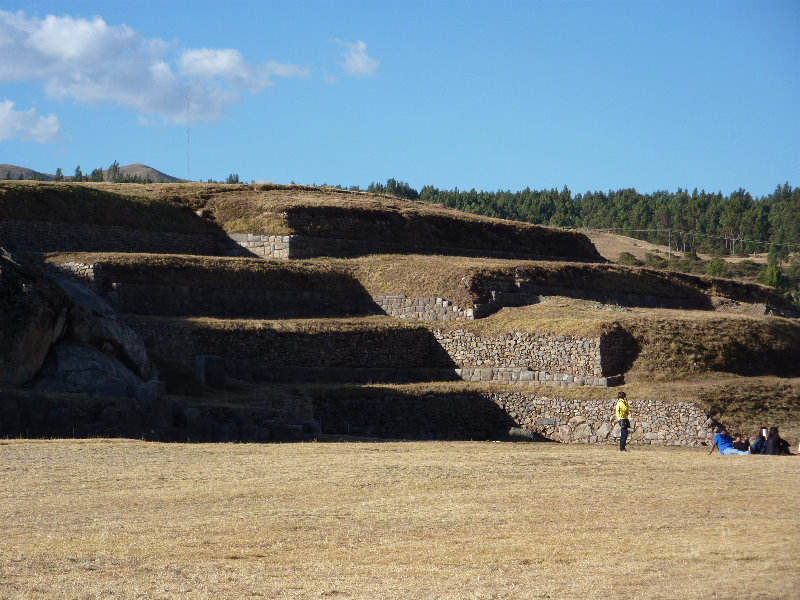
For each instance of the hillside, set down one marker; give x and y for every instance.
(137, 170)
(15, 172)
(329, 305)
(144, 172)
(326, 221)
(611, 245)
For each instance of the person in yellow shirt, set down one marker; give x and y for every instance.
(621, 413)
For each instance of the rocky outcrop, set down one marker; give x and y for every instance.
(95, 324)
(33, 316)
(73, 368)
(61, 337)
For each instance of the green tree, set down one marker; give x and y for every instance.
(113, 172)
(232, 178)
(78, 175)
(771, 275)
(59, 176)
(717, 267)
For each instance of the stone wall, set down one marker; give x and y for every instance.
(589, 421)
(535, 357)
(394, 354)
(83, 273)
(366, 412)
(425, 309)
(32, 415)
(305, 246)
(395, 415)
(172, 300)
(184, 300)
(392, 348)
(532, 358)
(78, 237)
(553, 354)
(478, 415)
(263, 246)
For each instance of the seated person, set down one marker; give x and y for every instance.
(758, 445)
(741, 443)
(775, 444)
(723, 442)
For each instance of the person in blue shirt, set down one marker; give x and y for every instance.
(724, 443)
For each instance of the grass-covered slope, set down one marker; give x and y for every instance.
(284, 210)
(96, 204)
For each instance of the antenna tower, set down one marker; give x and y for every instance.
(188, 142)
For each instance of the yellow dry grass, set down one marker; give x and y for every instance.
(611, 245)
(127, 519)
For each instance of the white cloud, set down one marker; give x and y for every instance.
(211, 62)
(229, 65)
(24, 124)
(93, 62)
(356, 62)
(281, 70)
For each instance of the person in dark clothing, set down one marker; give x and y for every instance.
(741, 443)
(775, 444)
(758, 444)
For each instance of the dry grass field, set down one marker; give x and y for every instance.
(128, 519)
(611, 245)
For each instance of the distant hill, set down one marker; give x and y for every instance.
(143, 171)
(133, 170)
(15, 172)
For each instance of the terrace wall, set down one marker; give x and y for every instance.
(393, 354)
(589, 421)
(478, 415)
(306, 246)
(78, 237)
(191, 300)
(368, 412)
(33, 415)
(198, 300)
(47, 236)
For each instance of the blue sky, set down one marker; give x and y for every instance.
(603, 95)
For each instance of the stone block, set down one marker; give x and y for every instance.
(249, 433)
(210, 370)
(582, 432)
(112, 389)
(603, 431)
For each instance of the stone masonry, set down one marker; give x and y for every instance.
(589, 421)
(480, 415)
(532, 358)
(426, 309)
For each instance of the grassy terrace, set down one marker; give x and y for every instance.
(96, 518)
(460, 280)
(96, 204)
(671, 342)
(282, 210)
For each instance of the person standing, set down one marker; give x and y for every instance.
(621, 413)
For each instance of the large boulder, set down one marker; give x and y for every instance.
(64, 338)
(80, 369)
(33, 316)
(93, 322)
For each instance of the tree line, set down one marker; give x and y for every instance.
(736, 223)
